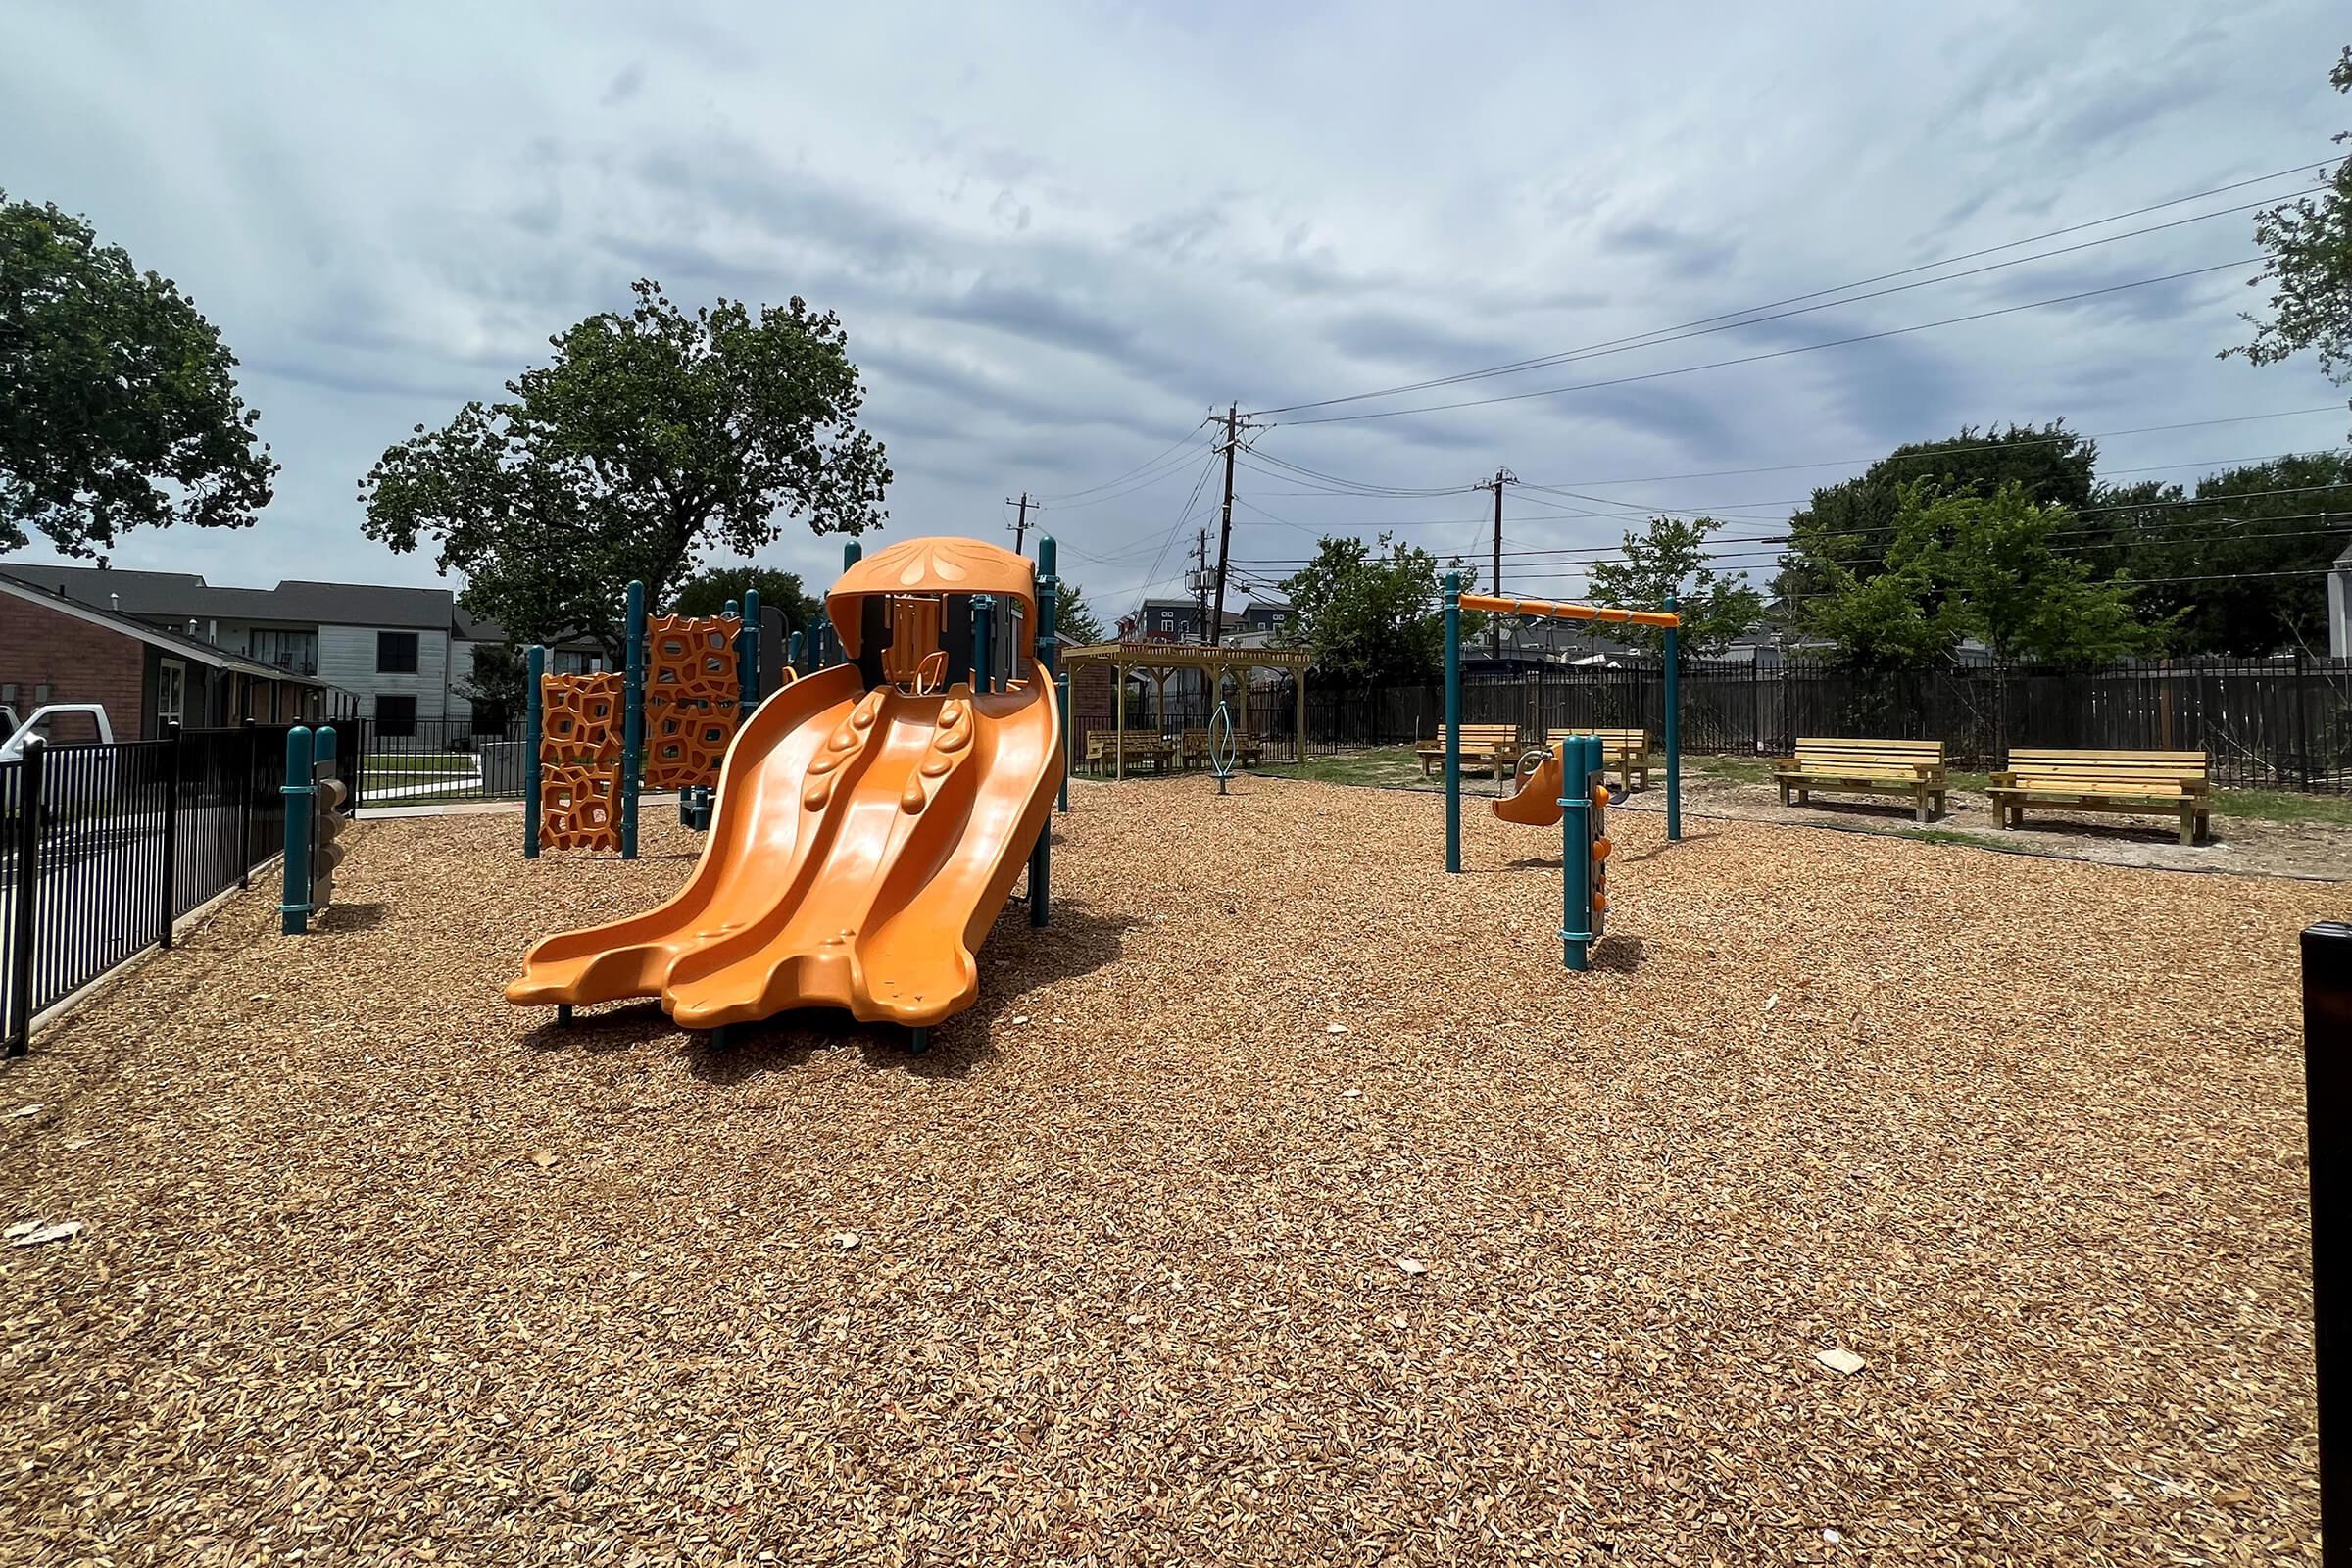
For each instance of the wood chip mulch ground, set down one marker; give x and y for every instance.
(1285, 1203)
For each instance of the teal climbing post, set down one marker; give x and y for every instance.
(747, 651)
(1579, 761)
(632, 721)
(299, 791)
(1048, 643)
(1674, 725)
(1064, 683)
(793, 654)
(984, 615)
(1453, 721)
(534, 721)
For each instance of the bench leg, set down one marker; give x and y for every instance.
(1783, 797)
(1943, 807)
(2204, 827)
(2189, 824)
(1919, 809)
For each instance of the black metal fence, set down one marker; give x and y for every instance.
(101, 848)
(426, 762)
(2283, 723)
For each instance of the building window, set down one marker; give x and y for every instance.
(297, 651)
(395, 716)
(395, 655)
(170, 691)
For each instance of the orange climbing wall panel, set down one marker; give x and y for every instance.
(914, 635)
(579, 777)
(692, 684)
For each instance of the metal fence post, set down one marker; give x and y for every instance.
(26, 889)
(245, 792)
(2328, 1100)
(175, 746)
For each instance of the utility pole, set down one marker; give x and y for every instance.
(1198, 577)
(1503, 476)
(1020, 524)
(1235, 425)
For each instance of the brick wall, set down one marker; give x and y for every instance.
(80, 662)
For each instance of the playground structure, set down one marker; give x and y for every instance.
(871, 818)
(313, 798)
(598, 739)
(1570, 785)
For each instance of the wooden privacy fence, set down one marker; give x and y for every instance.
(2280, 723)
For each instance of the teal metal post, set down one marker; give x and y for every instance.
(794, 653)
(294, 909)
(1674, 725)
(747, 650)
(1453, 721)
(1580, 760)
(1064, 683)
(1048, 642)
(983, 615)
(534, 718)
(632, 721)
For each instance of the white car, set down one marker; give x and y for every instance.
(57, 724)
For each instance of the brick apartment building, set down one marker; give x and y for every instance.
(52, 650)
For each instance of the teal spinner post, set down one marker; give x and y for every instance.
(1453, 721)
(534, 721)
(1674, 725)
(632, 721)
(294, 907)
(1049, 647)
(1583, 850)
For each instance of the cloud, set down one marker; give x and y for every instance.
(1686, 255)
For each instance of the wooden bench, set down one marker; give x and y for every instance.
(1104, 747)
(1490, 746)
(2146, 783)
(1866, 768)
(1195, 748)
(1249, 749)
(1623, 751)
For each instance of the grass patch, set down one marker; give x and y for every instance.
(2282, 805)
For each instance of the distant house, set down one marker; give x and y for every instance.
(1172, 621)
(405, 654)
(54, 649)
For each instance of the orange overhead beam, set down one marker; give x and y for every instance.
(1552, 611)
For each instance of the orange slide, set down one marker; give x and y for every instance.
(865, 837)
(1538, 801)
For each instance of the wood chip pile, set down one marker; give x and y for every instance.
(1285, 1203)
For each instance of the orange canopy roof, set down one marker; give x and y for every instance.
(936, 566)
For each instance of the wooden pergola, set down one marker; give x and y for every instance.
(1160, 660)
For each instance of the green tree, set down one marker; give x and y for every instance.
(1990, 567)
(1669, 555)
(655, 436)
(117, 406)
(2237, 565)
(1074, 619)
(495, 685)
(2307, 251)
(708, 591)
(1374, 614)
(1847, 531)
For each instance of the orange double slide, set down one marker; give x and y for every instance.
(866, 836)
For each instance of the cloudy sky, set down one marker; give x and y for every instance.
(1058, 237)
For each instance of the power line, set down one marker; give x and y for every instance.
(1794, 299)
(1781, 354)
(1186, 441)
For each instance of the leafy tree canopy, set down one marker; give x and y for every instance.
(708, 591)
(117, 406)
(1074, 619)
(1964, 566)
(1669, 555)
(495, 686)
(2307, 251)
(1374, 614)
(1849, 526)
(655, 436)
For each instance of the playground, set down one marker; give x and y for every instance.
(1283, 1201)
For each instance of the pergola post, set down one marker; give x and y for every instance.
(1118, 725)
